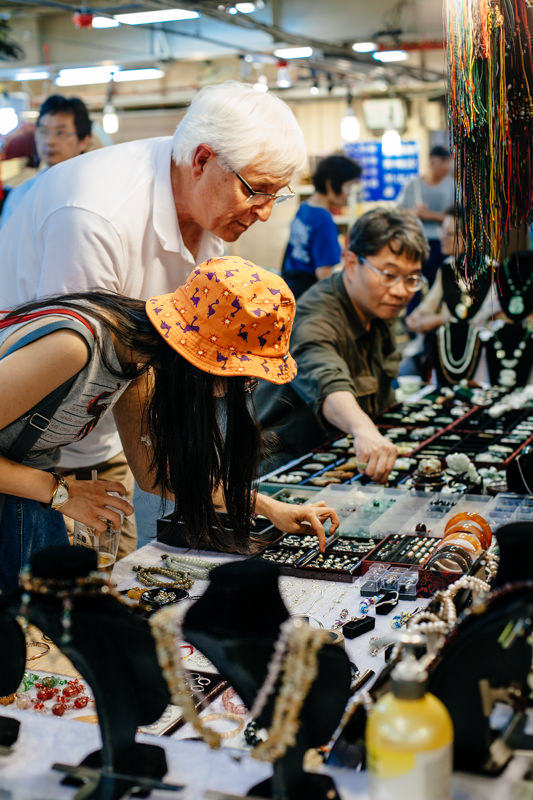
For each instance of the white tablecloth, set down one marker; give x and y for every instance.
(44, 740)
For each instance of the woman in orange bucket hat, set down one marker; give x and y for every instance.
(177, 372)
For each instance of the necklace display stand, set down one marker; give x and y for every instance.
(463, 302)
(11, 670)
(515, 280)
(112, 647)
(510, 355)
(236, 624)
(486, 660)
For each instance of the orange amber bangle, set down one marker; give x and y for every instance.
(468, 541)
(466, 527)
(477, 519)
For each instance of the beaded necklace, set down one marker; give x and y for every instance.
(454, 368)
(66, 590)
(195, 567)
(295, 657)
(178, 579)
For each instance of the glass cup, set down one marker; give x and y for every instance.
(105, 544)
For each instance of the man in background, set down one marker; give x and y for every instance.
(343, 343)
(428, 197)
(137, 217)
(63, 130)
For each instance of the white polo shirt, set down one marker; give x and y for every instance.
(102, 220)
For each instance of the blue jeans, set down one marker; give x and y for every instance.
(25, 528)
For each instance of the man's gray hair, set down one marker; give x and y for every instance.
(394, 227)
(243, 127)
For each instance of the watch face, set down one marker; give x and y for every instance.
(61, 496)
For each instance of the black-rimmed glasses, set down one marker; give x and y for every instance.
(413, 283)
(48, 133)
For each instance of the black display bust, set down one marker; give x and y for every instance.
(236, 624)
(113, 649)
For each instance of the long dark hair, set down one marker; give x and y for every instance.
(191, 455)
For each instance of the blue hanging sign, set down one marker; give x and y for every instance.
(383, 176)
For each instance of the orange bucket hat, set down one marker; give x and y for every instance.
(230, 318)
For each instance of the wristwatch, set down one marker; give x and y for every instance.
(60, 495)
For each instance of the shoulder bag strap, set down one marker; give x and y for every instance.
(38, 418)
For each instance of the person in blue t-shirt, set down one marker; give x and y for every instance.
(313, 248)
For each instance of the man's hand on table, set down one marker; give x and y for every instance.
(374, 453)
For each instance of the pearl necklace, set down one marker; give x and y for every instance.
(455, 369)
(195, 567)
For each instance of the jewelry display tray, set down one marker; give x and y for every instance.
(286, 556)
(479, 433)
(429, 581)
(472, 433)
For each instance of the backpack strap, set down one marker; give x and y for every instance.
(38, 418)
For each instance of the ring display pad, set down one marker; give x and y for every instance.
(105, 638)
(236, 624)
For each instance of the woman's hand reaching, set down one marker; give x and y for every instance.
(299, 519)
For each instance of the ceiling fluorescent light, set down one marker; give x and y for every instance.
(390, 55)
(245, 8)
(31, 76)
(148, 17)
(363, 47)
(105, 22)
(294, 52)
(83, 76)
(148, 74)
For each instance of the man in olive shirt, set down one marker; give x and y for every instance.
(343, 343)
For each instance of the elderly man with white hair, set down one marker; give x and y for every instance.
(135, 218)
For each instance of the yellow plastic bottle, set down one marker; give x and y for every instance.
(409, 738)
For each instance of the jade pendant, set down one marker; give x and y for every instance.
(507, 377)
(516, 304)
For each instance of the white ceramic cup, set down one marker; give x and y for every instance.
(409, 384)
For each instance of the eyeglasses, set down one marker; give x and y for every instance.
(47, 133)
(411, 282)
(250, 384)
(262, 198)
